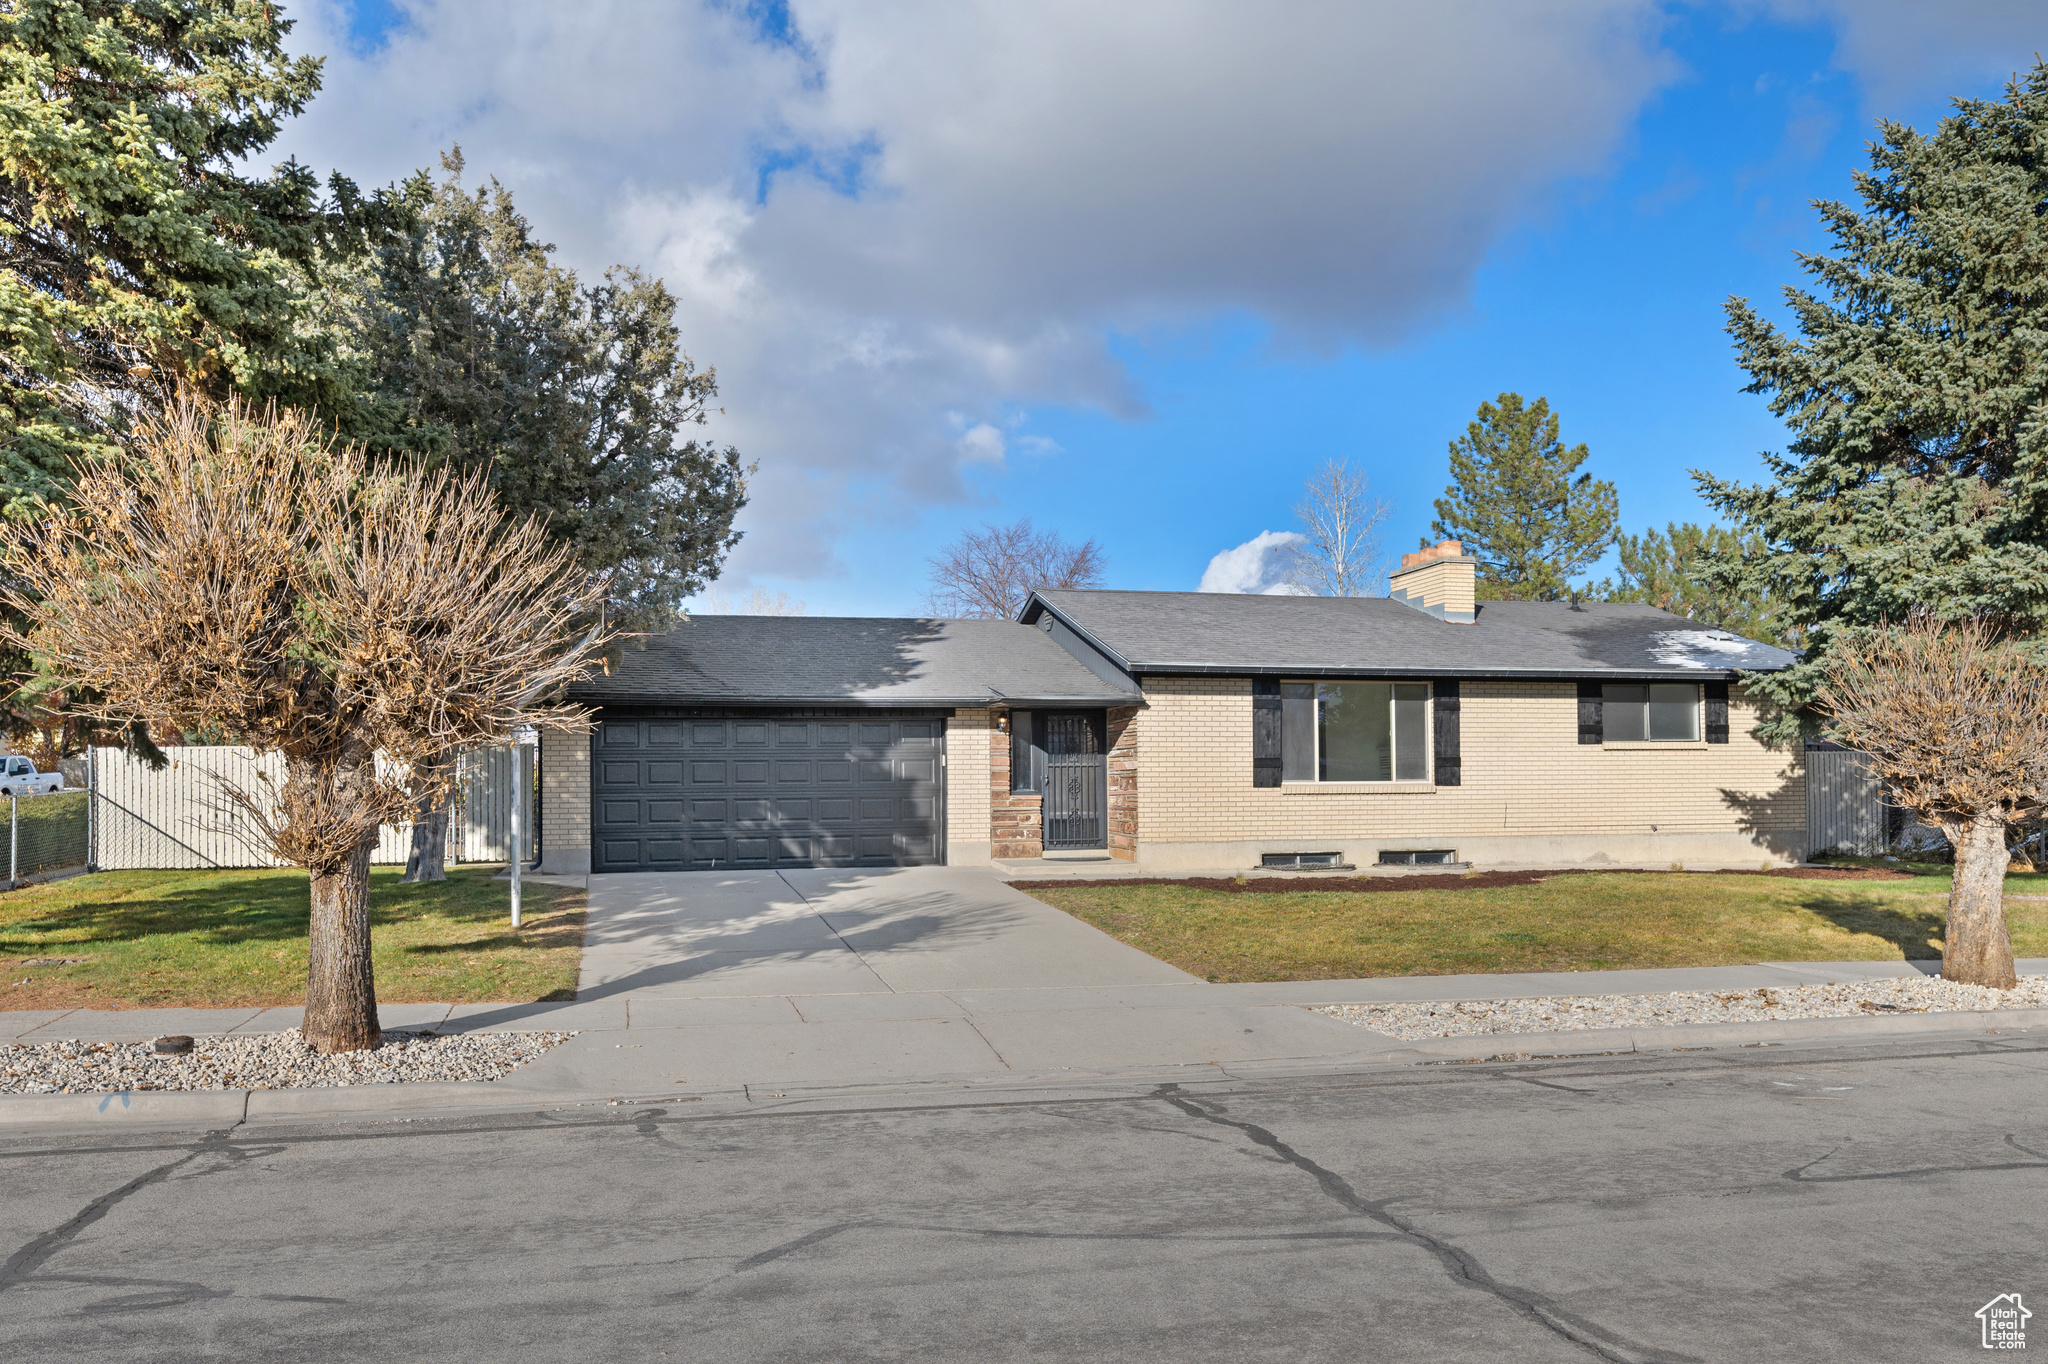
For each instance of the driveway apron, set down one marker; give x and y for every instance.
(697, 935)
(823, 977)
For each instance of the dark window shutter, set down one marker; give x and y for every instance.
(1591, 720)
(1716, 718)
(1297, 731)
(1448, 769)
(1023, 772)
(1265, 731)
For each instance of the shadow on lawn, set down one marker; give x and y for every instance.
(1916, 932)
(228, 909)
(128, 906)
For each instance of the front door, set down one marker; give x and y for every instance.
(1076, 780)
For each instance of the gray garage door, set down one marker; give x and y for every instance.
(688, 793)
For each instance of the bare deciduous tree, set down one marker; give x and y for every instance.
(242, 574)
(986, 574)
(757, 602)
(1340, 554)
(1955, 719)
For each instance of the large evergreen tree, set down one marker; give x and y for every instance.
(1515, 504)
(472, 348)
(1916, 389)
(136, 259)
(1673, 569)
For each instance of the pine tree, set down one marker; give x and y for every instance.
(470, 347)
(136, 258)
(1917, 474)
(1514, 503)
(1672, 570)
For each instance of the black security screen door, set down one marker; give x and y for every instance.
(1076, 779)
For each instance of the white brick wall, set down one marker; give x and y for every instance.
(967, 789)
(565, 801)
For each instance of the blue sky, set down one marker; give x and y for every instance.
(1608, 301)
(1598, 285)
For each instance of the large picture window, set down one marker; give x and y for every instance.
(1354, 731)
(1657, 712)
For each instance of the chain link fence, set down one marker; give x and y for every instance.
(47, 835)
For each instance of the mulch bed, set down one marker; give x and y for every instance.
(1483, 880)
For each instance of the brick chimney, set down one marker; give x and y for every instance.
(1442, 580)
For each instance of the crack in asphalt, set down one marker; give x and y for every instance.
(2013, 1142)
(29, 1258)
(812, 1238)
(1461, 1265)
(1545, 1084)
(792, 1247)
(1701, 1064)
(1797, 1174)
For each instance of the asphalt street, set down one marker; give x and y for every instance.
(1814, 1203)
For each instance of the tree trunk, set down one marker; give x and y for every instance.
(341, 996)
(428, 860)
(1976, 949)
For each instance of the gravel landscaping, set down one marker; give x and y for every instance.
(275, 1060)
(1573, 1013)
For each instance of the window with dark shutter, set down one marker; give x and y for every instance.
(1717, 712)
(1449, 768)
(1357, 732)
(1591, 727)
(1266, 758)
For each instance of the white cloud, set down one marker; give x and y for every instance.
(981, 444)
(1908, 49)
(911, 211)
(962, 200)
(1258, 565)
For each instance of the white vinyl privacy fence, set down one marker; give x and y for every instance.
(182, 816)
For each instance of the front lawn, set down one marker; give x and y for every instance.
(1568, 922)
(238, 938)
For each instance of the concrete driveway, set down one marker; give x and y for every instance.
(708, 935)
(711, 980)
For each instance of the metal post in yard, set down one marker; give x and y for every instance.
(516, 849)
(13, 841)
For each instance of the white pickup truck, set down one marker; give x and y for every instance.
(20, 778)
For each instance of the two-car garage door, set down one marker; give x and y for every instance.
(696, 792)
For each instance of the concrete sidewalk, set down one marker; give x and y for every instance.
(714, 983)
(634, 1045)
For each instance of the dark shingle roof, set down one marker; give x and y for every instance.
(846, 660)
(1213, 632)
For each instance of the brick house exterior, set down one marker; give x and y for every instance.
(1531, 793)
(1184, 732)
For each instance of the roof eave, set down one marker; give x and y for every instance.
(679, 700)
(1293, 670)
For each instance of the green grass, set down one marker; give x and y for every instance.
(1577, 922)
(231, 938)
